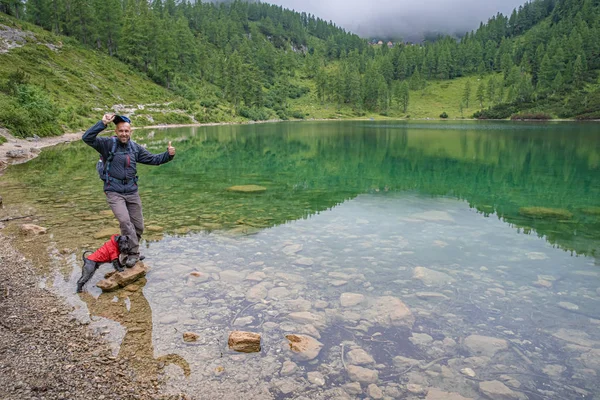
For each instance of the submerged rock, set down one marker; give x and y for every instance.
(362, 375)
(544, 212)
(122, 279)
(306, 348)
(247, 189)
(190, 337)
(497, 390)
(31, 229)
(359, 357)
(245, 342)
(430, 277)
(351, 299)
(389, 311)
(106, 233)
(437, 394)
(484, 345)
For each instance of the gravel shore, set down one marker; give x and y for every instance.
(45, 353)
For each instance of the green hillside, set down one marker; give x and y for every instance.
(170, 61)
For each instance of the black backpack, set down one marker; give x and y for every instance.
(103, 167)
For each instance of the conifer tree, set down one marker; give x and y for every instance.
(467, 94)
(480, 95)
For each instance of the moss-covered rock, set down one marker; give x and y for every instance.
(247, 189)
(544, 212)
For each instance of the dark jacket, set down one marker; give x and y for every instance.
(123, 169)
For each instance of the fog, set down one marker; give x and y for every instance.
(402, 18)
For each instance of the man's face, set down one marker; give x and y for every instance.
(123, 131)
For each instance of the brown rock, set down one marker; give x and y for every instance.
(245, 342)
(122, 279)
(305, 347)
(31, 229)
(190, 337)
(497, 390)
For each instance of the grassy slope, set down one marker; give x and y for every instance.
(437, 97)
(78, 80)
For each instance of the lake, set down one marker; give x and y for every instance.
(426, 258)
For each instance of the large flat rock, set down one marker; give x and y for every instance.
(122, 279)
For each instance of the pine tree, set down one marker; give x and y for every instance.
(480, 95)
(467, 94)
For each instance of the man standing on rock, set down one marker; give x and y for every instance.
(117, 168)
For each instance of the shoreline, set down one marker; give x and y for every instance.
(17, 151)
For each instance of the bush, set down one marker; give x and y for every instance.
(254, 114)
(297, 114)
(444, 115)
(209, 103)
(531, 116)
(31, 112)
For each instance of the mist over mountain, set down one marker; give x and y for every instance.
(409, 20)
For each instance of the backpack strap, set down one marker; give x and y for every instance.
(111, 155)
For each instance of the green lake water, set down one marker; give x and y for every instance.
(487, 232)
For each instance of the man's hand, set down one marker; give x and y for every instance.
(108, 118)
(171, 149)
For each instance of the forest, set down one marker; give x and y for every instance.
(542, 61)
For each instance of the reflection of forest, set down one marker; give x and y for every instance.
(310, 167)
(136, 317)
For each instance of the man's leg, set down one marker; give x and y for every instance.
(118, 206)
(134, 206)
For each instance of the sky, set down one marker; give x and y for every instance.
(409, 19)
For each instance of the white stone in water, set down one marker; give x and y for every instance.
(288, 368)
(256, 276)
(338, 283)
(591, 359)
(430, 277)
(292, 249)
(304, 261)
(243, 321)
(305, 317)
(374, 391)
(388, 311)
(415, 389)
(568, 306)
(321, 304)
(362, 375)
(468, 372)
(279, 293)
(304, 347)
(316, 378)
(310, 330)
(256, 293)
(484, 345)
(299, 304)
(351, 299)
(430, 295)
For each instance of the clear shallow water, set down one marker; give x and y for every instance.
(353, 208)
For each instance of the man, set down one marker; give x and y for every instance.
(117, 168)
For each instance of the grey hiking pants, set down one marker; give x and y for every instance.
(128, 211)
